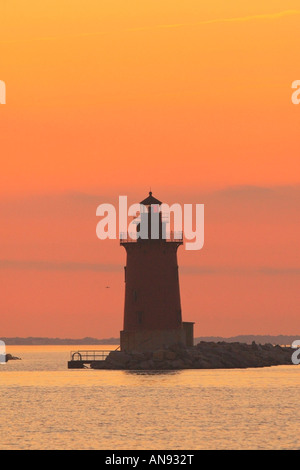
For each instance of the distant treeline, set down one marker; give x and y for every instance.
(58, 341)
(260, 339)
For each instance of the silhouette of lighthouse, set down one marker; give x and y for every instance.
(152, 313)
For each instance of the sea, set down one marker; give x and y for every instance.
(43, 405)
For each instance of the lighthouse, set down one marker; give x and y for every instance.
(152, 312)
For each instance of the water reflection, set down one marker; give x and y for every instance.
(153, 372)
(52, 407)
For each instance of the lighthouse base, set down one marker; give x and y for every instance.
(150, 340)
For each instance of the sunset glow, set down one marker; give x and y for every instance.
(192, 99)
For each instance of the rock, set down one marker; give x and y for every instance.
(178, 364)
(202, 364)
(118, 358)
(139, 356)
(9, 357)
(158, 355)
(133, 365)
(170, 355)
(147, 365)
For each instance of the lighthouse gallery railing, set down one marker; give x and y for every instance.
(130, 237)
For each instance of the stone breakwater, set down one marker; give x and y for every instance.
(205, 355)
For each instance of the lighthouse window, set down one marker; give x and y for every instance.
(140, 317)
(134, 295)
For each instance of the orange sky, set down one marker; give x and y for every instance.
(112, 97)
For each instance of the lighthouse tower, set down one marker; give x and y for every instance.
(152, 314)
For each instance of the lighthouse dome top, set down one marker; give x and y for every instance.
(150, 200)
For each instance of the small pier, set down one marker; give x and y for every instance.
(80, 359)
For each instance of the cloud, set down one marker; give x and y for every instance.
(40, 265)
(79, 205)
(260, 190)
(267, 16)
(45, 205)
(240, 271)
(238, 194)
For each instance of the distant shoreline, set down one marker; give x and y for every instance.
(36, 341)
(32, 341)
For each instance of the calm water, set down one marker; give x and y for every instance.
(43, 405)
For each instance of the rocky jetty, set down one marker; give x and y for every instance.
(9, 357)
(205, 355)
